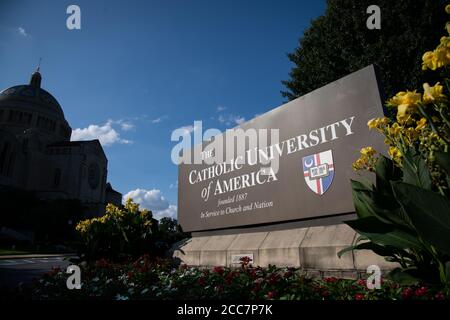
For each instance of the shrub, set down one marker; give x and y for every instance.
(122, 232)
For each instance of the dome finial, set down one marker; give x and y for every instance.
(39, 64)
(36, 76)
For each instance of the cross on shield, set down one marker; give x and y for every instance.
(318, 171)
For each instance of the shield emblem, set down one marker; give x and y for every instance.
(318, 170)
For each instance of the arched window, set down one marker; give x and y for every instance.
(57, 178)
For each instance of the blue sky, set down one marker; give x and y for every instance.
(137, 70)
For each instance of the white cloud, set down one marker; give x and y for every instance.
(126, 126)
(22, 32)
(239, 120)
(220, 108)
(153, 200)
(106, 134)
(170, 212)
(159, 119)
(173, 185)
(231, 119)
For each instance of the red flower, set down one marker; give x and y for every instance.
(359, 296)
(245, 261)
(330, 280)
(407, 293)
(420, 292)
(271, 294)
(439, 296)
(229, 277)
(218, 270)
(362, 282)
(273, 278)
(201, 281)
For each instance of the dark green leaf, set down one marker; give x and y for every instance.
(403, 277)
(443, 160)
(415, 170)
(385, 234)
(428, 211)
(385, 171)
(377, 249)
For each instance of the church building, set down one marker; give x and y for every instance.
(36, 153)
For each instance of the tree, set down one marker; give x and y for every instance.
(339, 43)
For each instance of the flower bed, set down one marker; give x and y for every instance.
(158, 279)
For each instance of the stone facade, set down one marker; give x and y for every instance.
(36, 153)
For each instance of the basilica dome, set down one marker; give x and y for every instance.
(29, 106)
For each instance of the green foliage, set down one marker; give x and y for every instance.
(412, 228)
(339, 43)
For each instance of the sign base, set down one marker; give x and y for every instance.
(312, 248)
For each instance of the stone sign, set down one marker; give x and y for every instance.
(319, 137)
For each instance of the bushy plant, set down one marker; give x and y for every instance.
(122, 232)
(405, 216)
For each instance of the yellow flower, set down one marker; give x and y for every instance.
(411, 135)
(406, 98)
(439, 57)
(378, 123)
(368, 151)
(395, 129)
(433, 94)
(406, 103)
(427, 60)
(394, 153)
(421, 124)
(373, 123)
(447, 9)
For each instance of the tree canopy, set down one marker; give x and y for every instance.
(339, 42)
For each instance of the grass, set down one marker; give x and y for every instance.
(4, 252)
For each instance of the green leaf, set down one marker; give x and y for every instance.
(415, 170)
(385, 171)
(380, 205)
(443, 160)
(447, 272)
(377, 249)
(428, 211)
(359, 199)
(403, 277)
(385, 234)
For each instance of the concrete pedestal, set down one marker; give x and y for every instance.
(314, 249)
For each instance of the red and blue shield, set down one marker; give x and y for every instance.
(318, 170)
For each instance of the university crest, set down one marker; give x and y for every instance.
(318, 170)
